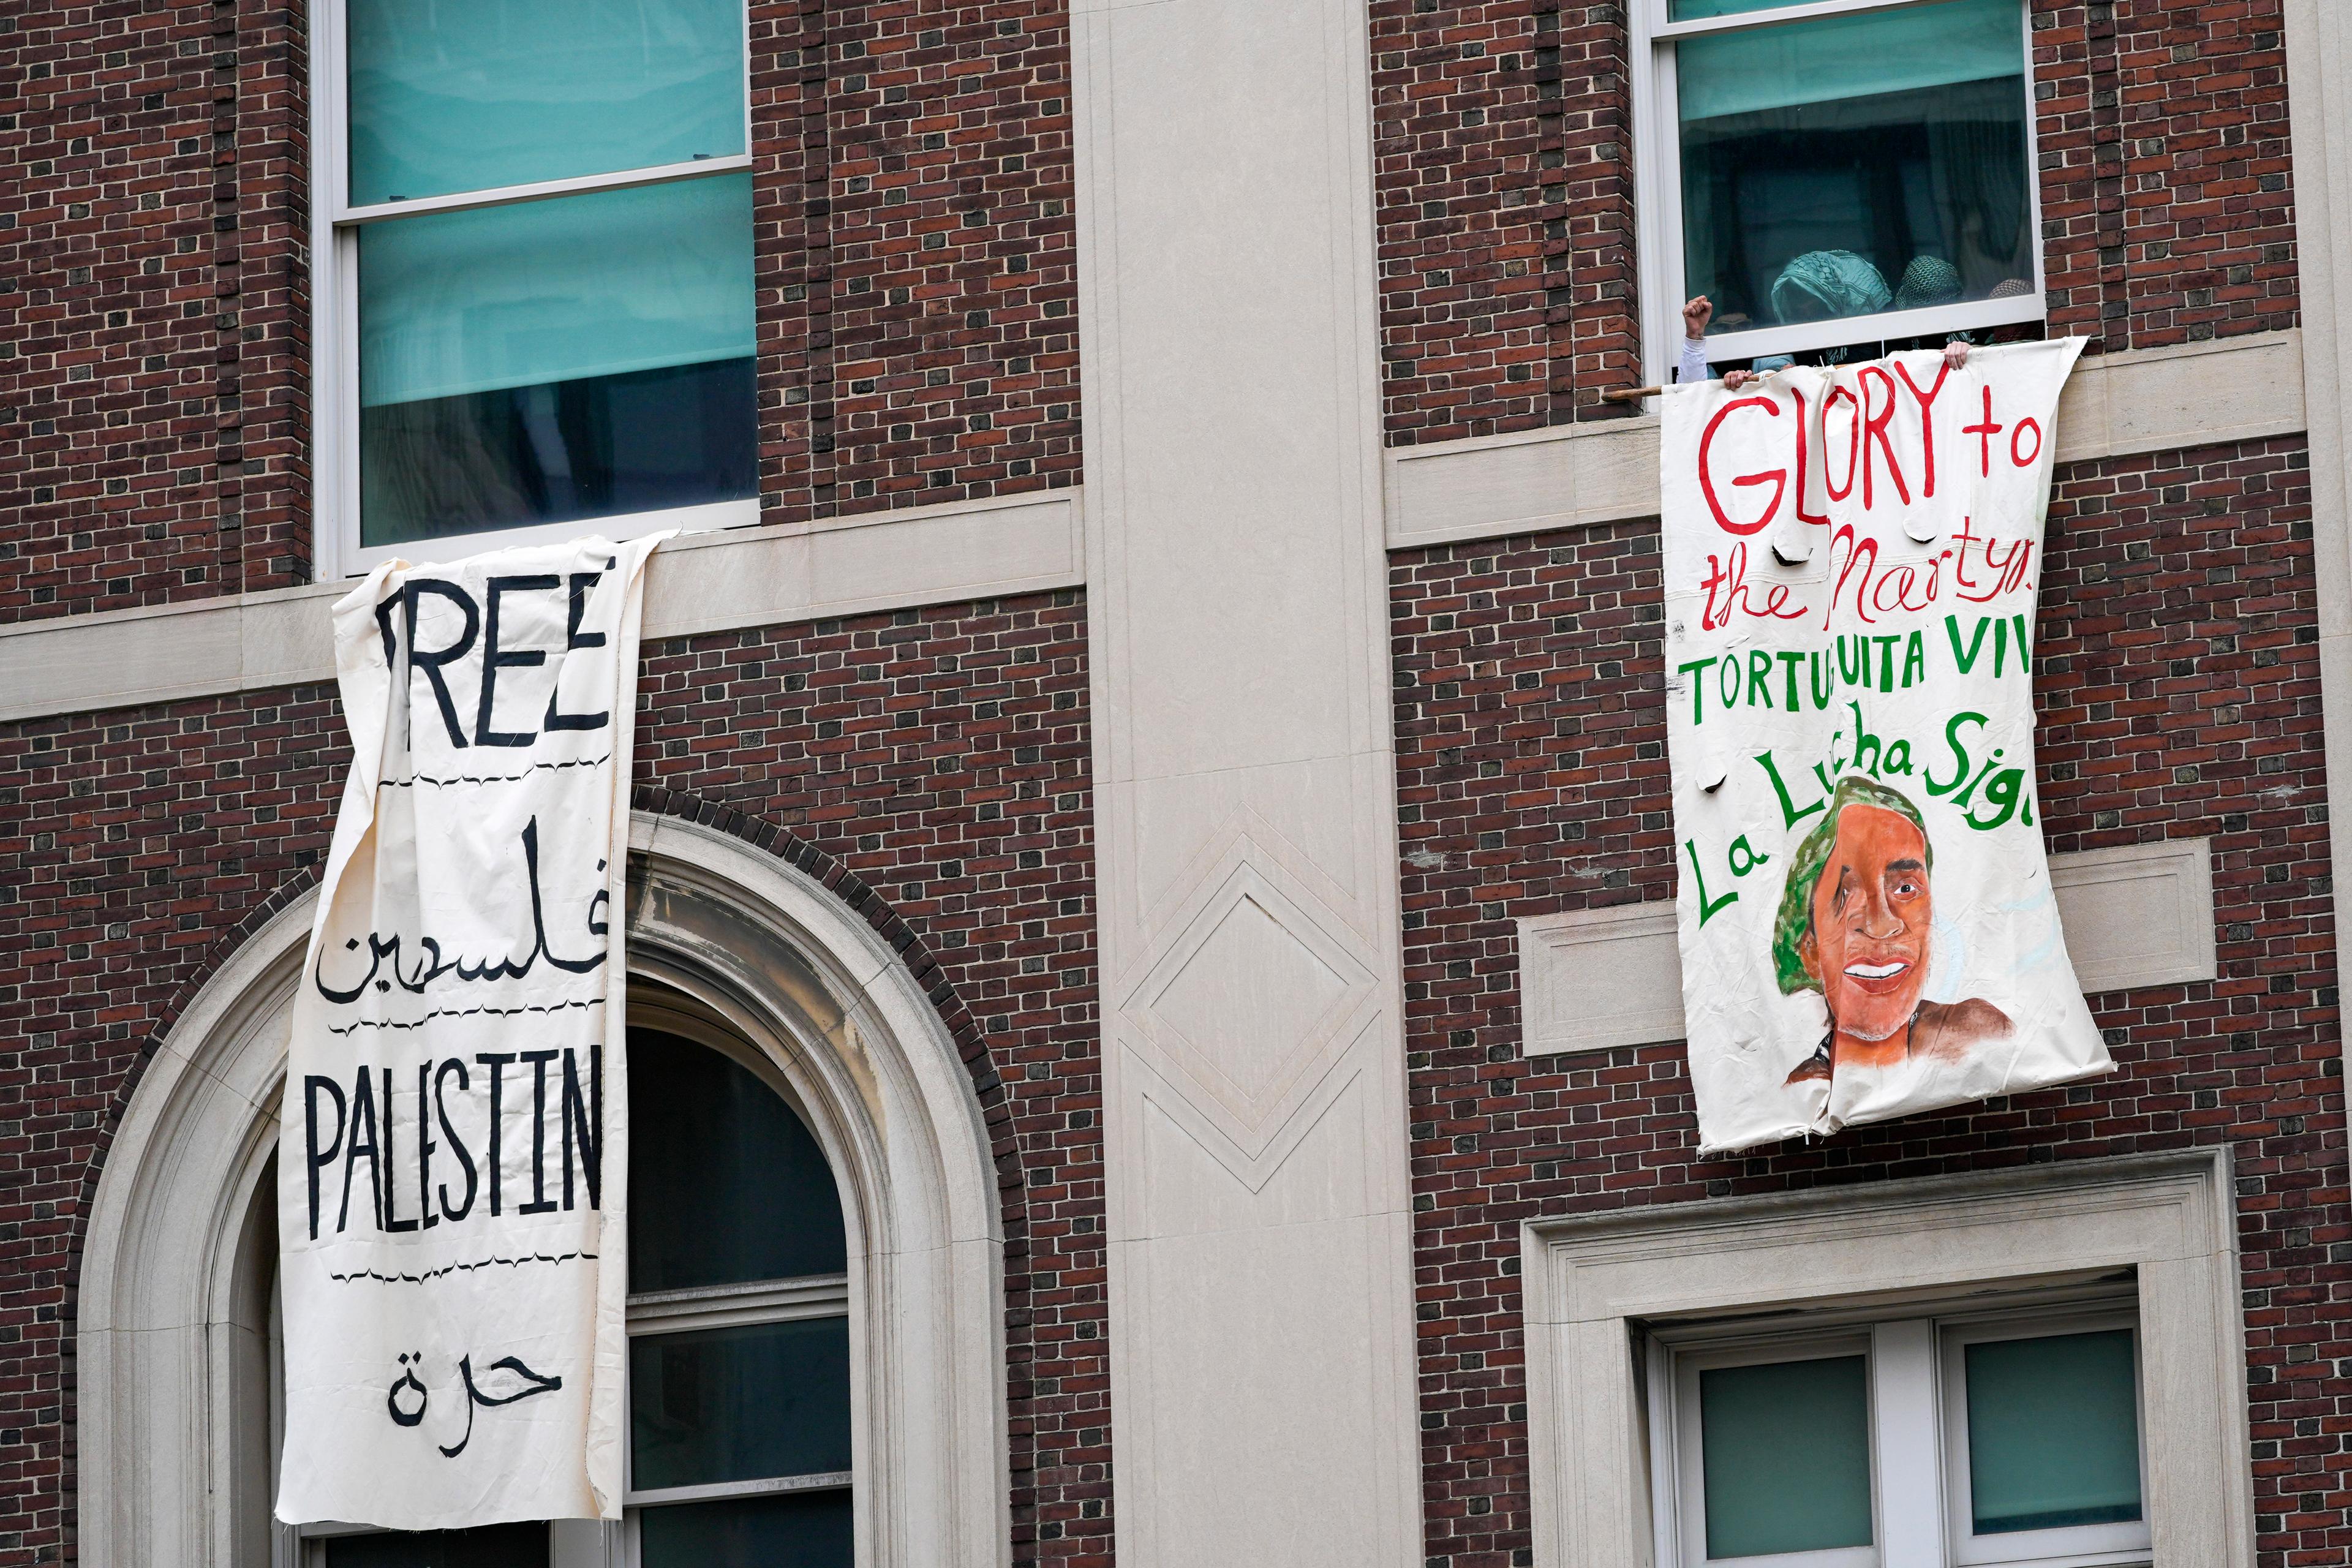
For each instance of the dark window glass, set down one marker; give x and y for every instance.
(600, 447)
(803, 1530)
(1856, 164)
(737, 1404)
(492, 1546)
(725, 1184)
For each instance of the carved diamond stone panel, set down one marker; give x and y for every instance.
(1250, 1003)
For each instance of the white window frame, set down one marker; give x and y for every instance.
(2161, 1228)
(1658, 203)
(1921, 1503)
(335, 227)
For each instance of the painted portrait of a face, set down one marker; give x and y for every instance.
(1856, 924)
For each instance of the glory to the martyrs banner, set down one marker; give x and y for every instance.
(452, 1153)
(1852, 559)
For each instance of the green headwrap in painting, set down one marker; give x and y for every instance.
(1796, 916)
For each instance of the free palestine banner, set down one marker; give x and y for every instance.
(1851, 559)
(453, 1152)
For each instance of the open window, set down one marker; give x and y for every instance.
(1837, 173)
(533, 309)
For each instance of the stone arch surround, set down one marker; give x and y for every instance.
(732, 924)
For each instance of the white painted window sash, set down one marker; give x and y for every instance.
(336, 550)
(1658, 203)
(1918, 1450)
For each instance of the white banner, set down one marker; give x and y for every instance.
(1852, 563)
(452, 1151)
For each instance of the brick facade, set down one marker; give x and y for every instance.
(2177, 678)
(917, 253)
(136, 848)
(154, 311)
(914, 189)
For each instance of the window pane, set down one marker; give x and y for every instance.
(739, 1405)
(793, 1531)
(1857, 164)
(554, 360)
(1693, 10)
(2054, 1432)
(492, 1546)
(1786, 1446)
(725, 1184)
(467, 97)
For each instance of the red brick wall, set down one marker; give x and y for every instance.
(917, 255)
(1509, 289)
(151, 304)
(2177, 663)
(915, 265)
(932, 767)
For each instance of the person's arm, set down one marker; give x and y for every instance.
(1693, 366)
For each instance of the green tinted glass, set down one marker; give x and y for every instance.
(473, 96)
(739, 1405)
(1786, 1446)
(2054, 1432)
(578, 287)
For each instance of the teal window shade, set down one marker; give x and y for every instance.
(470, 95)
(1698, 10)
(1868, 55)
(1785, 1450)
(599, 284)
(2054, 1432)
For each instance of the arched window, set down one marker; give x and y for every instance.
(739, 1340)
(739, 1320)
(817, 1307)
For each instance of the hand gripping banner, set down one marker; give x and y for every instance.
(452, 1151)
(1852, 559)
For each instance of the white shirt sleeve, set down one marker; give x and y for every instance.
(1693, 367)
